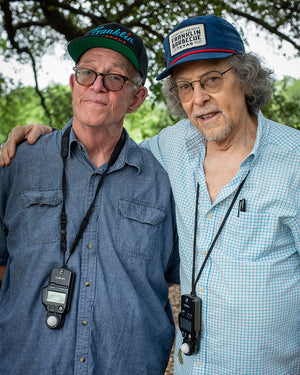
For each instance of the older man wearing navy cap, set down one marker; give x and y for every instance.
(236, 182)
(87, 231)
(239, 173)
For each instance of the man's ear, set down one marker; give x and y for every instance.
(138, 99)
(72, 81)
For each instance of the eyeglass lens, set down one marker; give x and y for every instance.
(87, 77)
(212, 82)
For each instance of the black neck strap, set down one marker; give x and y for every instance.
(194, 283)
(63, 220)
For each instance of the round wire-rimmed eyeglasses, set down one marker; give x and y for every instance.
(211, 82)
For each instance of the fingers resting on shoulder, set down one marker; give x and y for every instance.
(16, 136)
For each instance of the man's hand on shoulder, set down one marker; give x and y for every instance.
(17, 135)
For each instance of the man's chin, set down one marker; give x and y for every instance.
(213, 131)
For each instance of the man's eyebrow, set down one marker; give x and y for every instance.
(117, 64)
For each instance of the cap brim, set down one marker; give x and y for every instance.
(193, 57)
(78, 46)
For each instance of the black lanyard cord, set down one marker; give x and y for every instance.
(64, 154)
(193, 292)
(63, 215)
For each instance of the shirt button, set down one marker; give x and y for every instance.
(201, 289)
(90, 246)
(203, 252)
(84, 322)
(199, 363)
(82, 360)
(87, 283)
(209, 215)
(80, 147)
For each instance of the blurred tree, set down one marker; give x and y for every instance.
(285, 105)
(22, 106)
(147, 121)
(30, 28)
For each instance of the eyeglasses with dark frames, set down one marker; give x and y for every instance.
(111, 81)
(211, 82)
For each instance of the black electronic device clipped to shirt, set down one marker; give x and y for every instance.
(57, 295)
(189, 321)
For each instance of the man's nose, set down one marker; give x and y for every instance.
(98, 85)
(200, 96)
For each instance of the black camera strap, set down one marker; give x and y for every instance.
(194, 283)
(63, 220)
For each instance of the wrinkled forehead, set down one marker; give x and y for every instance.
(99, 56)
(199, 67)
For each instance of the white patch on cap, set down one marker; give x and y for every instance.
(186, 38)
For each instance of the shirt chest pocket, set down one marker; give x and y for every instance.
(256, 237)
(42, 215)
(138, 228)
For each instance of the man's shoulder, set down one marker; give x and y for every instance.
(179, 129)
(148, 165)
(171, 136)
(47, 140)
(284, 136)
(45, 148)
(145, 154)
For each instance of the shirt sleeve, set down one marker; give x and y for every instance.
(3, 229)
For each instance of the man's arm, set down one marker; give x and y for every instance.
(17, 135)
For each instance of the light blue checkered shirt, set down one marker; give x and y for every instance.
(250, 286)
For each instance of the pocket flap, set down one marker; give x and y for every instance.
(42, 197)
(141, 211)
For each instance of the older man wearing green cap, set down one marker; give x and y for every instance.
(87, 231)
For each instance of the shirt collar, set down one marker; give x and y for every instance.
(130, 153)
(261, 134)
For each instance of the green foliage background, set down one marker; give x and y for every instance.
(21, 106)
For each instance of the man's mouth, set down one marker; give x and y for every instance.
(206, 115)
(98, 101)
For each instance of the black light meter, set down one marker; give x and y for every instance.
(189, 320)
(57, 295)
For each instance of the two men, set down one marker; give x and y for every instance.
(235, 177)
(89, 210)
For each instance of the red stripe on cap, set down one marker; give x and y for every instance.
(202, 50)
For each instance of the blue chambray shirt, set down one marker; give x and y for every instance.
(250, 286)
(120, 321)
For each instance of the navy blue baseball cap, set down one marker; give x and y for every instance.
(116, 37)
(201, 38)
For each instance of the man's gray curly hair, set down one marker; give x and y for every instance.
(256, 79)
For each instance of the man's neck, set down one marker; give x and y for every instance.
(240, 141)
(223, 159)
(99, 142)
